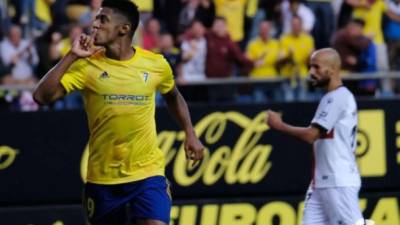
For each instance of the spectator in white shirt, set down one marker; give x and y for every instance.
(20, 55)
(295, 7)
(194, 51)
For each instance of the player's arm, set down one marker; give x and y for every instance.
(178, 108)
(49, 88)
(308, 134)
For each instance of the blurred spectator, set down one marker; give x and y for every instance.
(187, 14)
(4, 17)
(151, 34)
(325, 24)
(35, 16)
(295, 7)
(350, 44)
(43, 18)
(58, 14)
(346, 11)
(272, 9)
(357, 53)
(76, 9)
(20, 55)
(251, 17)
(296, 48)
(372, 16)
(5, 73)
(272, 12)
(145, 8)
(201, 10)
(392, 34)
(194, 50)
(336, 4)
(170, 52)
(205, 12)
(85, 20)
(167, 12)
(257, 19)
(222, 52)
(264, 51)
(59, 46)
(43, 44)
(234, 13)
(222, 56)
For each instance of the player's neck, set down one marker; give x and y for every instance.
(120, 50)
(333, 85)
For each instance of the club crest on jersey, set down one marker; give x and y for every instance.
(145, 76)
(104, 75)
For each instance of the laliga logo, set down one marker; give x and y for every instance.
(365, 222)
(9, 154)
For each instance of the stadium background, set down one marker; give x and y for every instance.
(250, 175)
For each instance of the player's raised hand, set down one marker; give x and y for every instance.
(274, 120)
(83, 46)
(194, 149)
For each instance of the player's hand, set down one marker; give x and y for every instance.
(83, 46)
(194, 149)
(273, 120)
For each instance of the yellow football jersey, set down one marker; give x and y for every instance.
(144, 5)
(301, 47)
(269, 52)
(119, 98)
(233, 11)
(373, 20)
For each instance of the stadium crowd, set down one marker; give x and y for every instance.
(204, 39)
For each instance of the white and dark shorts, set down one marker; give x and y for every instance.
(332, 206)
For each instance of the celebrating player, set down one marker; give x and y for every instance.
(119, 83)
(332, 197)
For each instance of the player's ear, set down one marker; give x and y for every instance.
(125, 29)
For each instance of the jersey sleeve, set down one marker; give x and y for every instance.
(328, 113)
(167, 79)
(74, 78)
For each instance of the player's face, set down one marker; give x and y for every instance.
(108, 25)
(319, 73)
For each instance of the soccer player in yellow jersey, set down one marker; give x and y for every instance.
(118, 83)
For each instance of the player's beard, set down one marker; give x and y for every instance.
(323, 82)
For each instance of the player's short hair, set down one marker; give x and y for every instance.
(126, 8)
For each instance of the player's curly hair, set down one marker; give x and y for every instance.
(126, 8)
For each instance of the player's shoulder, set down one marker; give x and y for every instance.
(344, 91)
(341, 94)
(151, 58)
(149, 55)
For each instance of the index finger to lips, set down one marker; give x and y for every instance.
(93, 34)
